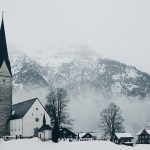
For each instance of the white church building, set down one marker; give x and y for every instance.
(27, 117)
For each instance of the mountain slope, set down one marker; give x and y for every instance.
(79, 68)
(26, 72)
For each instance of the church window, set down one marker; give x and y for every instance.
(37, 119)
(13, 112)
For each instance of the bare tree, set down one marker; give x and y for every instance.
(57, 104)
(111, 120)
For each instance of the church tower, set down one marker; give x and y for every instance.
(5, 85)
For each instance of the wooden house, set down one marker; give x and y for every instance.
(65, 133)
(143, 136)
(86, 135)
(123, 138)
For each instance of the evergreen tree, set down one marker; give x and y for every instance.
(55, 132)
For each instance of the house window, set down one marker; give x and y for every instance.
(36, 108)
(3, 80)
(32, 114)
(64, 132)
(37, 119)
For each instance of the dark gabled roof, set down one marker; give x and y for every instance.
(45, 127)
(84, 135)
(67, 130)
(20, 109)
(3, 48)
(142, 131)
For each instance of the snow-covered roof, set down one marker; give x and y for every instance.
(139, 132)
(45, 127)
(123, 135)
(147, 130)
(84, 133)
(94, 134)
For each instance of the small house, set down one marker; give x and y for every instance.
(86, 136)
(65, 133)
(123, 138)
(45, 132)
(143, 136)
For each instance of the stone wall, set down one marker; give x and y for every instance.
(5, 104)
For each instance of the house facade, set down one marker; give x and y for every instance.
(143, 136)
(65, 133)
(27, 117)
(86, 135)
(123, 138)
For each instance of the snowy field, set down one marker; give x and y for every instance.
(36, 144)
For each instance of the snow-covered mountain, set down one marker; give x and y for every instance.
(77, 68)
(91, 81)
(27, 73)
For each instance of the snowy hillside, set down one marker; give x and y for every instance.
(78, 67)
(36, 144)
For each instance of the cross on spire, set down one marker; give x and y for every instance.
(2, 14)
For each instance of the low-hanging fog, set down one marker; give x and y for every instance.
(85, 108)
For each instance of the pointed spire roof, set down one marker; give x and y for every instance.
(3, 70)
(44, 120)
(3, 48)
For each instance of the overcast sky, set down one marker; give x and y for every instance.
(117, 29)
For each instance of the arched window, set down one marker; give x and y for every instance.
(37, 119)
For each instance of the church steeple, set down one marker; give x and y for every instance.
(5, 85)
(44, 120)
(3, 48)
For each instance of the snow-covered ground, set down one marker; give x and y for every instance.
(36, 144)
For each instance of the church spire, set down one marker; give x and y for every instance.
(44, 120)
(3, 47)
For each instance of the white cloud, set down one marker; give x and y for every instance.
(117, 29)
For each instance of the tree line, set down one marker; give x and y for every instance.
(111, 120)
